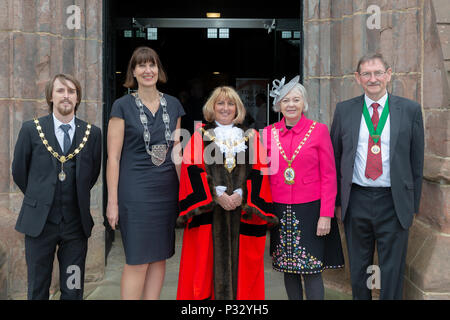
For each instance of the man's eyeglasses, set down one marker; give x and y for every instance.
(368, 75)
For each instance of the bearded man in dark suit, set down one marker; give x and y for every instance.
(57, 160)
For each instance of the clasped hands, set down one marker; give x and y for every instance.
(229, 202)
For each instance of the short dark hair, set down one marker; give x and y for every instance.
(143, 55)
(63, 78)
(369, 57)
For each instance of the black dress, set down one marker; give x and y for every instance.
(147, 194)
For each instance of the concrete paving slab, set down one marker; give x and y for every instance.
(109, 287)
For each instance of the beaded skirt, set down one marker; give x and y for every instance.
(294, 245)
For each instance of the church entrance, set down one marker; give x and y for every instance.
(244, 44)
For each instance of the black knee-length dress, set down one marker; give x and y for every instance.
(147, 194)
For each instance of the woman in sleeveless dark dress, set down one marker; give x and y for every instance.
(141, 176)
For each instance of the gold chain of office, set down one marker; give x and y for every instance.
(49, 148)
(62, 158)
(230, 161)
(224, 142)
(289, 173)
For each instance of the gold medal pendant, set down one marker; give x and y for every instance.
(62, 174)
(230, 163)
(375, 149)
(289, 175)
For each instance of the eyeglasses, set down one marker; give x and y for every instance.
(368, 75)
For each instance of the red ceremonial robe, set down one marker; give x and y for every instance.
(223, 251)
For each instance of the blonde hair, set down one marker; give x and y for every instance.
(227, 93)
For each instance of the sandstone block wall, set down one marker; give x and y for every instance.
(413, 36)
(37, 43)
(442, 9)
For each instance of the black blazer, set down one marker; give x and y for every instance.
(35, 171)
(406, 154)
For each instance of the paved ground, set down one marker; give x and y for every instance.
(109, 287)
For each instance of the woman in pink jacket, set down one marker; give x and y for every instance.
(303, 185)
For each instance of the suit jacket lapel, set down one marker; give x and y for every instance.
(356, 122)
(80, 129)
(395, 115)
(48, 127)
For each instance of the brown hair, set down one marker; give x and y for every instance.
(143, 55)
(228, 93)
(63, 78)
(369, 57)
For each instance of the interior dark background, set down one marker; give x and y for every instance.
(190, 59)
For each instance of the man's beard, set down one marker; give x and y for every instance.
(65, 108)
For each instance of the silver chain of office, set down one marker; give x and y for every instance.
(158, 151)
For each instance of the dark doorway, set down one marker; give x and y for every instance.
(196, 64)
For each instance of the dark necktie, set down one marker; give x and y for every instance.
(66, 128)
(374, 167)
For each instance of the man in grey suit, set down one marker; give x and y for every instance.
(378, 141)
(57, 161)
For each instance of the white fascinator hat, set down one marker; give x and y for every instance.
(280, 89)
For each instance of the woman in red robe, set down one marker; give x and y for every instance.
(225, 206)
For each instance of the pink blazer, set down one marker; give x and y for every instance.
(315, 171)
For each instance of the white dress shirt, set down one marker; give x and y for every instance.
(221, 189)
(359, 170)
(59, 133)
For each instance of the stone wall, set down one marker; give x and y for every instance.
(336, 36)
(414, 37)
(442, 9)
(37, 43)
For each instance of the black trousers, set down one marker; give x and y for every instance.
(71, 244)
(370, 220)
